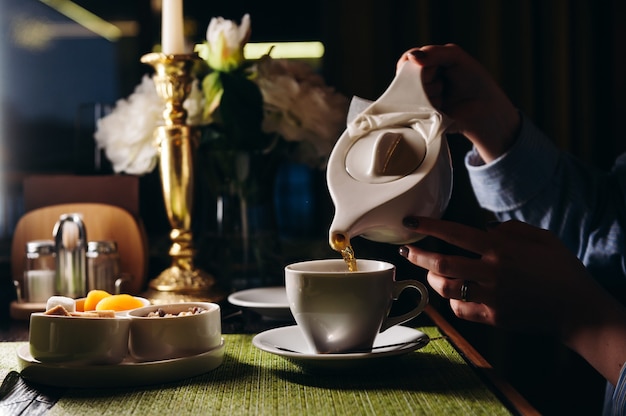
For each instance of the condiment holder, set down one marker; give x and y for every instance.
(66, 265)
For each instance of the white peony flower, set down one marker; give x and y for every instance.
(127, 134)
(299, 106)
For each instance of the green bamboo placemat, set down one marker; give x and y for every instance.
(434, 380)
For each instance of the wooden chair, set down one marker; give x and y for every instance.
(118, 190)
(102, 222)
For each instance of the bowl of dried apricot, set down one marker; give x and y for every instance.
(100, 300)
(89, 330)
(62, 334)
(161, 332)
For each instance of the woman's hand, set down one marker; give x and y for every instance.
(524, 278)
(461, 88)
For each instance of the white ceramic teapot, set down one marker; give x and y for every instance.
(391, 162)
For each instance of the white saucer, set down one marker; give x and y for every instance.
(270, 302)
(126, 374)
(278, 340)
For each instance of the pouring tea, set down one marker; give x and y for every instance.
(392, 161)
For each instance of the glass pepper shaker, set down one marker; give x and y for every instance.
(103, 266)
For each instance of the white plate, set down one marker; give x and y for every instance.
(267, 301)
(126, 374)
(278, 340)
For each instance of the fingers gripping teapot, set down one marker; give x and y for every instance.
(392, 161)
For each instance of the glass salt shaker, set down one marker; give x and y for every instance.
(39, 271)
(103, 266)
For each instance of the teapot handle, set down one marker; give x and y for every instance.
(406, 90)
(403, 104)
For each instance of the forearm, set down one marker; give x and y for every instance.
(599, 336)
(515, 178)
(496, 136)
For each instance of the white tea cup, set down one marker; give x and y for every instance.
(340, 311)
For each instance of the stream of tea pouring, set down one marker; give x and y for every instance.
(343, 246)
(392, 161)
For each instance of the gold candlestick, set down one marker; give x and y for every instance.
(176, 142)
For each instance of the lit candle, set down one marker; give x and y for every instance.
(172, 39)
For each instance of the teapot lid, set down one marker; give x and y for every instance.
(385, 156)
(387, 140)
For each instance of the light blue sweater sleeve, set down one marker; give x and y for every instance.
(536, 183)
(618, 407)
(615, 397)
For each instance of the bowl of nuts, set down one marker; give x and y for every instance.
(162, 332)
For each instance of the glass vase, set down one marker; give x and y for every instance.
(242, 244)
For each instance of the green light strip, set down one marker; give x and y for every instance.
(294, 50)
(85, 18)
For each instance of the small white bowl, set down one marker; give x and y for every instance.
(78, 340)
(163, 338)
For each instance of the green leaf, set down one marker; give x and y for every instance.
(213, 90)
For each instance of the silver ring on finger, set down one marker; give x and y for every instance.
(464, 291)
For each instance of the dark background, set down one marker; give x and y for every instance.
(561, 62)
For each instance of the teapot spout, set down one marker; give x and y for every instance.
(338, 240)
(342, 230)
(338, 236)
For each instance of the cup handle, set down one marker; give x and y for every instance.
(399, 287)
